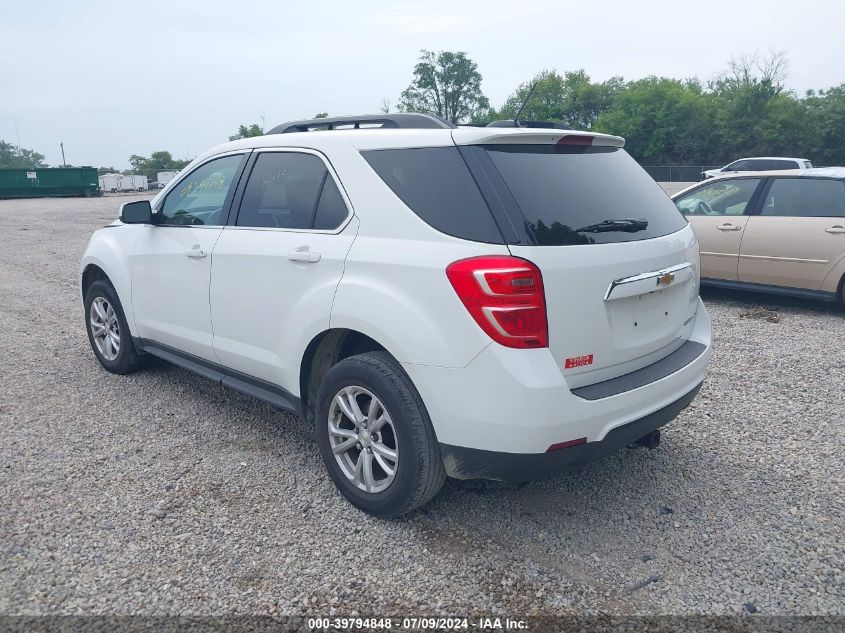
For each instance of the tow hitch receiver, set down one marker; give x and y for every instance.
(652, 440)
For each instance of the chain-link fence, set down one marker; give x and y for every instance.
(678, 173)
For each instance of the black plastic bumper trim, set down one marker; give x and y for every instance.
(666, 366)
(473, 463)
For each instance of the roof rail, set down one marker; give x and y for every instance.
(403, 120)
(536, 124)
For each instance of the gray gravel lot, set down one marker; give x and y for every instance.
(161, 492)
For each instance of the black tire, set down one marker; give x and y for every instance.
(419, 473)
(128, 360)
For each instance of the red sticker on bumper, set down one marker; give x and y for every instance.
(578, 361)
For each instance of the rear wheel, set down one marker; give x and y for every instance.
(375, 436)
(108, 332)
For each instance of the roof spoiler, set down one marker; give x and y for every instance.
(533, 136)
(548, 125)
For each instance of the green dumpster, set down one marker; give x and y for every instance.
(49, 181)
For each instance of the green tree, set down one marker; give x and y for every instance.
(825, 124)
(14, 157)
(745, 100)
(247, 131)
(446, 84)
(663, 120)
(321, 115)
(161, 160)
(571, 99)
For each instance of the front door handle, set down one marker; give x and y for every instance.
(305, 257)
(837, 228)
(197, 252)
(729, 227)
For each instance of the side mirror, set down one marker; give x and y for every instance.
(139, 212)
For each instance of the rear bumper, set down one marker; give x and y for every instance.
(472, 463)
(510, 401)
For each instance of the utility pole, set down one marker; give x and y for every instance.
(62, 145)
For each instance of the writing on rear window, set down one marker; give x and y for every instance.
(578, 361)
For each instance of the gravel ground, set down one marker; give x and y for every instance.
(163, 493)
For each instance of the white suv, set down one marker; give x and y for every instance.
(504, 303)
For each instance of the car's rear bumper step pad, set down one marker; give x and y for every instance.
(666, 366)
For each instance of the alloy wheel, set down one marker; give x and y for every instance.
(105, 328)
(363, 439)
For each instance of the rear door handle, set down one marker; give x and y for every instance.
(838, 228)
(729, 227)
(305, 257)
(197, 252)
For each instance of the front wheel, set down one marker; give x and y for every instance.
(108, 332)
(375, 436)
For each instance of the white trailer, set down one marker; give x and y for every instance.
(164, 177)
(110, 182)
(114, 183)
(139, 183)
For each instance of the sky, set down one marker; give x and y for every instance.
(115, 78)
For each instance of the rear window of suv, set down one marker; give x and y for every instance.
(545, 195)
(572, 194)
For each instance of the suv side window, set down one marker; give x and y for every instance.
(727, 197)
(290, 190)
(740, 165)
(805, 197)
(200, 197)
(331, 209)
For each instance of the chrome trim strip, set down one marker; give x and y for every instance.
(643, 276)
(714, 254)
(797, 260)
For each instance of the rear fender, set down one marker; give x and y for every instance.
(397, 293)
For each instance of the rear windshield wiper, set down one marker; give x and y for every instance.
(626, 225)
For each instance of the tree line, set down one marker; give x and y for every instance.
(747, 110)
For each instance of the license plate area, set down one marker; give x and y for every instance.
(649, 318)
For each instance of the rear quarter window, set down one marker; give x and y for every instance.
(805, 197)
(572, 195)
(435, 183)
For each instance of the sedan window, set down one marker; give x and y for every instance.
(726, 197)
(805, 197)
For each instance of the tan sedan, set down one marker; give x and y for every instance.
(777, 231)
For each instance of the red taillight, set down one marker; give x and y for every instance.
(505, 297)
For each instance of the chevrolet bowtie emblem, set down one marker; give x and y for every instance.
(665, 279)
